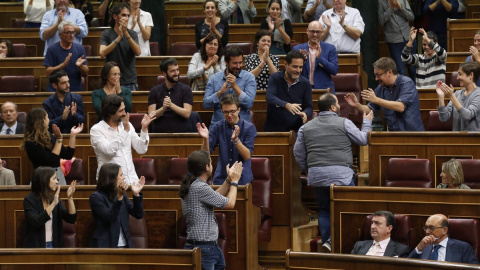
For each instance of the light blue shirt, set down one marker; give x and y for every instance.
(51, 17)
(246, 82)
(12, 128)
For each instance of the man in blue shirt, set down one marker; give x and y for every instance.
(51, 20)
(68, 56)
(235, 138)
(396, 96)
(233, 81)
(289, 96)
(64, 109)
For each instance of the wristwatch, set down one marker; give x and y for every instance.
(234, 184)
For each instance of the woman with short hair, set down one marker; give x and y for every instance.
(452, 175)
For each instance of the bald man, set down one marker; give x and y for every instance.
(321, 58)
(438, 247)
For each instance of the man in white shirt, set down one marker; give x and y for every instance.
(381, 229)
(114, 136)
(10, 125)
(343, 27)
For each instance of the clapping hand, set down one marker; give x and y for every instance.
(76, 130)
(147, 119)
(71, 189)
(351, 99)
(121, 189)
(235, 171)
(326, 20)
(80, 61)
(56, 132)
(137, 187)
(235, 133)
(438, 89)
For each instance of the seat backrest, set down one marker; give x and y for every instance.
(183, 79)
(25, 83)
(409, 172)
(136, 120)
(154, 49)
(262, 195)
(70, 235)
(88, 50)
(471, 172)
(246, 47)
(434, 123)
(20, 50)
(176, 171)
(347, 83)
(77, 172)
(22, 117)
(252, 117)
(95, 23)
(183, 49)
(453, 79)
(138, 232)
(403, 231)
(146, 167)
(467, 230)
(193, 19)
(18, 22)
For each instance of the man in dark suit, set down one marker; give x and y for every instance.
(10, 125)
(381, 230)
(438, 247)
(321, 58)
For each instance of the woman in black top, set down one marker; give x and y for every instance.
(279, 27)
(205, 27)
(43, 148)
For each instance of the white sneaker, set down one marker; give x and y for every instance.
(326, 247)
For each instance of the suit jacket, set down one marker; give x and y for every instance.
(457, 251)
(326, 65)
(394, 249)
(109, 217)
(20, 128)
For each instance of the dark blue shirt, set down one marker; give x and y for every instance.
(220, 135)
(55, 107)
(279, 93)
(56, 55)
(403, 90)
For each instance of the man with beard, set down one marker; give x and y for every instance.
(64, 109)
(170, 102)
(235, 139)
(114, 136)
(233, 81)
(51, 19)
(323, 149)
(396, 96)
(289, 96)
(381, 228)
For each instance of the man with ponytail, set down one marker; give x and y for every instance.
(198, 200)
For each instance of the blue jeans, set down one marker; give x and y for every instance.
(395, 50)
(49, 244)
(212, 256)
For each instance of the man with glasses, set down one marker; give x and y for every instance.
(170, 102)
(321, 58)
(396, 95)
(10, 125)
(438, 246)
(68, 56)
(234, 137)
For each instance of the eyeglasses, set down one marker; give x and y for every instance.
(431, 228)
(318, 32)
(116, 75)
(232, 112)
(379, 74)
(70, 33)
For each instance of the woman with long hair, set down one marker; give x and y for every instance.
(44, 210)
(6, 48)
(279, 27)
(198, 201)
(212, 25)
(141, 22)
(43, 148)
(261, 63)
(110, 76)
(111, 208)
(205, 63)
(452, 175)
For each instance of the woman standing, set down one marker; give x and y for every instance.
(35, 9)
(111, 208)
(205, 63)
(86, 7)
(261, 64)
(111, 86)
(211, 25)
(44, 211)
(141, 22)
(279, 27)
(43, 148)
(452, 175)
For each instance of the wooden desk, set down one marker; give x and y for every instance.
(90, 258)
(460, 34)
(472, 9)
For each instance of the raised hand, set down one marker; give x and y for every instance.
(369, 95)
(76, 130)
(56, 196)
(71, 189)
(271, 24)
(305, 53)
(56, 132)
(235, 133)
(424, 35)
(80, 61)
(137, 187)
(351, 99)
(73, 108)
(126, 122)
(448, 90)
(202, 130)
(66, 112)
(413, 33)
(342, 18)
(167, 102)
(326, 20)
(121, 189)
(146, 121)
(438, 89)
(67, 60)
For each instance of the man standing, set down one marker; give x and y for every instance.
(51, 20)
(120, 44)
(64, 109)
(315, 8)
(438, 247)
(170, 102)
(289, 96)
(396, 96)
(233, 80)
(344, 26)
(383, 223)
(114, 136)
(235, 139)
(10, 125)
(321, 58)
(68, 56)
(7, 177)
(237, 11)
(323, 150)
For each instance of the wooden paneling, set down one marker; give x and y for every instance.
(460, 34)
(472, 9)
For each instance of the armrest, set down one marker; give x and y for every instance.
(267, 211)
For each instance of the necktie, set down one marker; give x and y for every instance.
(374, 249)
(434, 255)
(9, 131)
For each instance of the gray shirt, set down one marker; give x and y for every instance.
(7, 177)
(468, 117)
(395, 22)
(228, 8)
